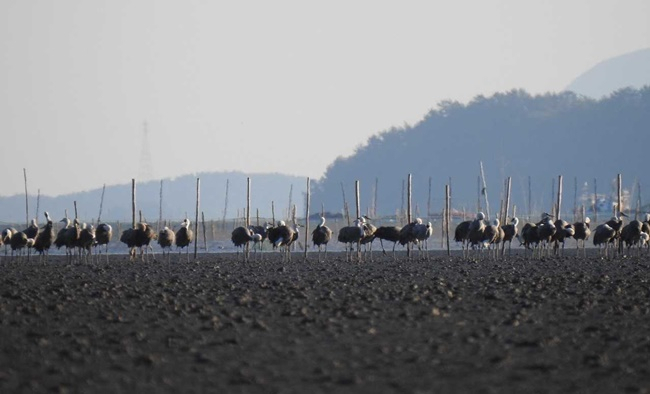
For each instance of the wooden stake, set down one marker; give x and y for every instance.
(308, 202)
(619, 187)
(595, 201)
(26, 198)
(101, 204)
(575, 198)
(76, 216)
(508, 190)
(196, 221)
(357, 198)
(484, 191)
(429, 201)
(447, 216)
(559, 198)
(345, 205)
(273, 213)
(225, 205)
(38, 204)
(408, 212)
(248, 215)
(160, 205)
(133, 202)
(205, 238)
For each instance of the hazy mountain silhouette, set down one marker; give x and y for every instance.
(514, 134)
(628, 70)
(179, 198)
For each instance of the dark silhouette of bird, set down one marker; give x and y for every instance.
(492, 236)
(321, 236)
(86, 241)
(351, 235)
(631, 234)
(582, 233)
(6, 237)
(422, 232)
(476, 229)
(388, 233)
(184, 237)
(103, 236)
(166, 238)
(45, 238)
(18, 243)
(368, 235)
(32, 230)
(283, 237)
(616, 223)
(563, 230)
(604, 234)
(71, 238)
(510, 232)
(262, 232)
(461, 234)
(240, 237)
(545, 232)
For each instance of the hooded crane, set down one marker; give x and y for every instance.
(368, 236)
(604, 234)
(510, 231)
(6, 237)
(262, 231)
(283, 237)
(616, 222)
(582, 233)
(422, 233)
(350, 235)
(563, 230)
(631, 234)
(476, 230)
(184, 237)
(166, 239)
(86, 241)
(492, 236)
(18, 243)
(321, 236)
(388, 233)
(461, 234)
(44, 239)
(240, 237)
(545, 231)
(103, 236)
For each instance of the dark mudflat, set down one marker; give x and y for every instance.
(444, 325)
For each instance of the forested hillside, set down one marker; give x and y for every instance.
(513, 134)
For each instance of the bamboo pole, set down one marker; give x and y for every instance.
(429, 201)
(559, 197)
(530, 197)
(357, 198)
(484, 191)
(101, 205)
(196, 222)
(76, 215)
(160, 205)
(26, 198)
(478, 194)
(595, 201)
(508, 191)
(273, 213)
(205, 237)
(346, 212)
(225, 204)
(408, 212)
(619, 189)
(308, 202)
(132, 202)
(290, 199)
(248, 215)
(447, 217)
(575, 199)
(38, 203)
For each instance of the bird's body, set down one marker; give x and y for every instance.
(240, 237)
(350, 235)
(45, 238)
(475, 234)
(103, 236)
(283, 237)
(604, 234)
(388, 233)
(422, 232)
(461, 234)
(631, 233)
(166, 238)
(563, 231)
(582, 233)
(321, 236)
(184, 237)
(86, 240)
(510, 232)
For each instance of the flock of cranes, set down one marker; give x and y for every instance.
(541, 238)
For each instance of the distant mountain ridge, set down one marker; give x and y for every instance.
(179, 198)
(513, 134)
(627, 70)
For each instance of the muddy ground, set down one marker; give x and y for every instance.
(445, 325)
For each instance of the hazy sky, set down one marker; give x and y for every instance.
(266, 86)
